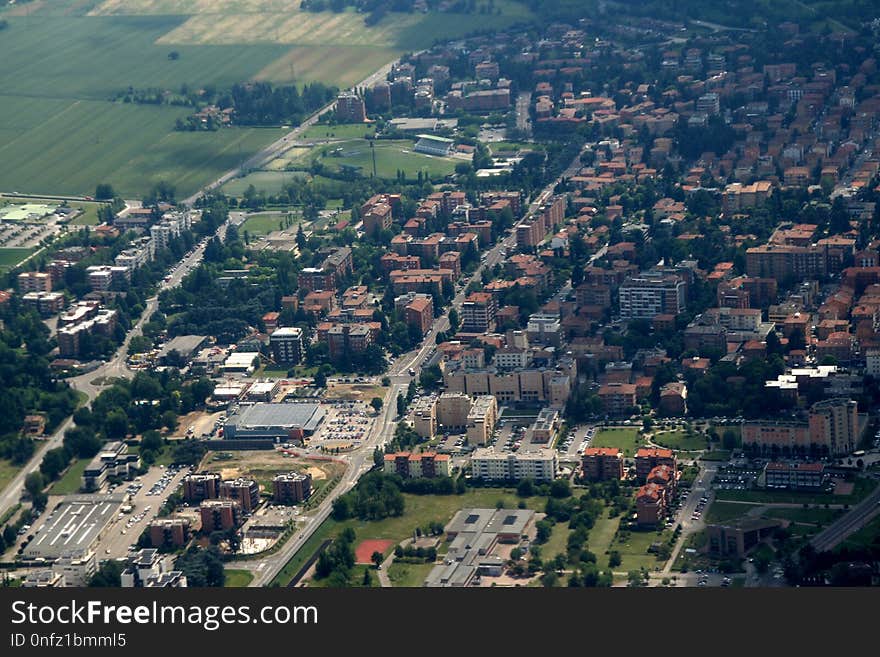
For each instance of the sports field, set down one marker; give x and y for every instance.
(391, 156)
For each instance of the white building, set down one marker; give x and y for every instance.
(538, 465)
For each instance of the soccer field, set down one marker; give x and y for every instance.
(391, 156)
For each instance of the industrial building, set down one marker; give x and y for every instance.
(77, 523)
(285, 421)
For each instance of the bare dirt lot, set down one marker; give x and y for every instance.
(263, 465)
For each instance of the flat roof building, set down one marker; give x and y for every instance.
(275, 421)
(76, 523)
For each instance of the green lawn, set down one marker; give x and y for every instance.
(238, 578)
(863, 538)
(264, 223)
(420, 510)
(391, 156)
(863, 486)
(270, 183)
(724, 511)
(341, 131)
(89, 216)
(679, 440)
(71, 481)
(634, 551)
(626, 439)
(11, 256)
(558, 541)
(409, 574)
(716, 455)
(811, 515)
(600, 538)
(7, 472)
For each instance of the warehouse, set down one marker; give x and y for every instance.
(287, 421)
(76, 523)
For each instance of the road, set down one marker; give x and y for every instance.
(858, 517)
(279, 147)
(93, 382)
(523, 122)
(702, 486)
(361, 461)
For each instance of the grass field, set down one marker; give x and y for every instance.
(71, 481)
(262, 224)
(342, 131)
(391, 155)
(238, 578)
(863, 486)
(268, 182)
(11, 256)
(628, 440)
(724, 511)
(634, 550)
(7, 472)
(600, 538)
(419, 511)
(558, 541)
(408, 574)
(679, 440)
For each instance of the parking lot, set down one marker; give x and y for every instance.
(345, 423)
(146, 498)
(577, 441)
(732, 478)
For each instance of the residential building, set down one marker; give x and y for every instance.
(34, 281)
(291, 487)
(416, 465)
(648, 295)
(478, 313)
(287, 345)
(201, 486)
(648, 458)
(350, 108)
(481, 420)
(651, 504)
(425, 417)
(618, 398)
(244, 491)
(219, 515)
(796, 476)
(169, 532)
(537, 465)
(602, 463)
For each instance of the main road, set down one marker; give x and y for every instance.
(91, 383)
(360, 462)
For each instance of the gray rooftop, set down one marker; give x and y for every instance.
(304, 416)
(185, 345)
(75, 523)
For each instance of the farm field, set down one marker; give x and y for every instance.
(79, 143)
(627, 440)
(11, 256)
(391, 156)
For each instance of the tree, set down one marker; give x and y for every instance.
(368, 578)
(376, 403)
(34, 483)
(401, 404)
(104, 192)
(614, 559)
(377, 558)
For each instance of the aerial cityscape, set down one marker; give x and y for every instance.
(439, 293)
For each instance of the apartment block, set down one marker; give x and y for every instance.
(286, 345)
(478, 313)
(540, 465)
(34, 281)
(291, 487)
(602, 463)
(416, 465)
(201, 486)
(219, 515)
(481, 420)
(425, 417)
(648, 458)
(169, 532)
(648, 295)
(244, 491)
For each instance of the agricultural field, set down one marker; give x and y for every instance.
(11, 256)
(391, 156)
(627, 440)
